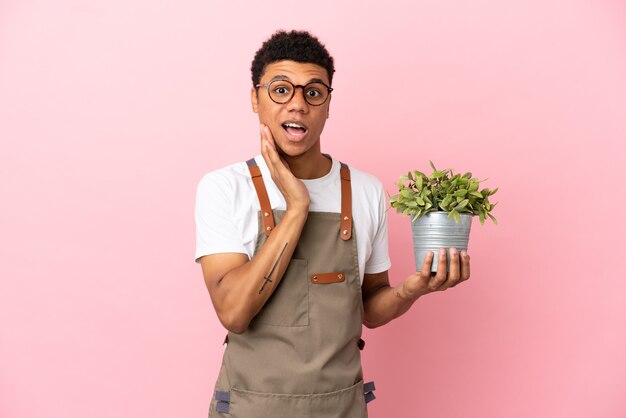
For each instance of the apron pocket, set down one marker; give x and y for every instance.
(344, 403)
(289, 304)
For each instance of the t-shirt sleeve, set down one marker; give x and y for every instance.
(379, 259)
(216, 230)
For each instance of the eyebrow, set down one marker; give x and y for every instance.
(284, 77)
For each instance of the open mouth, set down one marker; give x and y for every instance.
(295, 130)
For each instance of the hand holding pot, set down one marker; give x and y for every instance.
(423, 282)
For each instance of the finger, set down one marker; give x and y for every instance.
(267, 135)
(424, 273)
(268, 149)
(440, 277)
(427, 265)
(465, 265)
(454, 275)
(275, 157)
(264, 146)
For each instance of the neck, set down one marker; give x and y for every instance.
(309, 166)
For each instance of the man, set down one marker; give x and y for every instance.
(293, 248)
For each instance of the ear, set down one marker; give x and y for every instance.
(254, 98)
(328, 108)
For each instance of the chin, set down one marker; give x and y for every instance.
(287, 148)
(290, 154)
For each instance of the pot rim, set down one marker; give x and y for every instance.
(446, 213)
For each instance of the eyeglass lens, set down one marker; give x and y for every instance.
(281, 91)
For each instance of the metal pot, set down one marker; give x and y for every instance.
(434, 231)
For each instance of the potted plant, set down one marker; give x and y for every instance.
(442, 206)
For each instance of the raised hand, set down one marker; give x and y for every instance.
(293, 189)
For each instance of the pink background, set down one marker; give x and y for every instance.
(111, 111)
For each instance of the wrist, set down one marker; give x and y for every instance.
(301, 206)
(297, 214)
(402, 293)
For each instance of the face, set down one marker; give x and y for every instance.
(295, 125)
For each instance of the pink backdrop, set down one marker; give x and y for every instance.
(111, 111)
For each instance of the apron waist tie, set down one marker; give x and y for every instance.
(223, 401)
(368, 391)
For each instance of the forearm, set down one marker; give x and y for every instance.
(387, 304)
(242, 292)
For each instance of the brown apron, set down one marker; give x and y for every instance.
(300, 355)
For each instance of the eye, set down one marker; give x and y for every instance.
(313, 93)
(281, 90)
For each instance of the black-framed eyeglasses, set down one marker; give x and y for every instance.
(281, 91)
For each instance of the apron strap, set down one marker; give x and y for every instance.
(345, 230)
(264, 200)
(345, 227)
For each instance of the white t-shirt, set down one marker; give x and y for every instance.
(227, 209)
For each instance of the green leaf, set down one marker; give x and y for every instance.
(445, 202)
(495, 221)
(491, 193)
(419, 182)
(467, 175)
(432, 165)
(460, 193)
(437, 175)
(419, 200)
(462, 204)
(454, 214)
(476, 194)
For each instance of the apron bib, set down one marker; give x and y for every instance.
(300, 356)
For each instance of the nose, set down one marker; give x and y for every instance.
(297, 102)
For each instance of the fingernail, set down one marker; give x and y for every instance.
(430, 254)
(442, 251)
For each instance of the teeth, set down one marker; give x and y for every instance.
(293, 125)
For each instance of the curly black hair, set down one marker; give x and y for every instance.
(299, 46)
